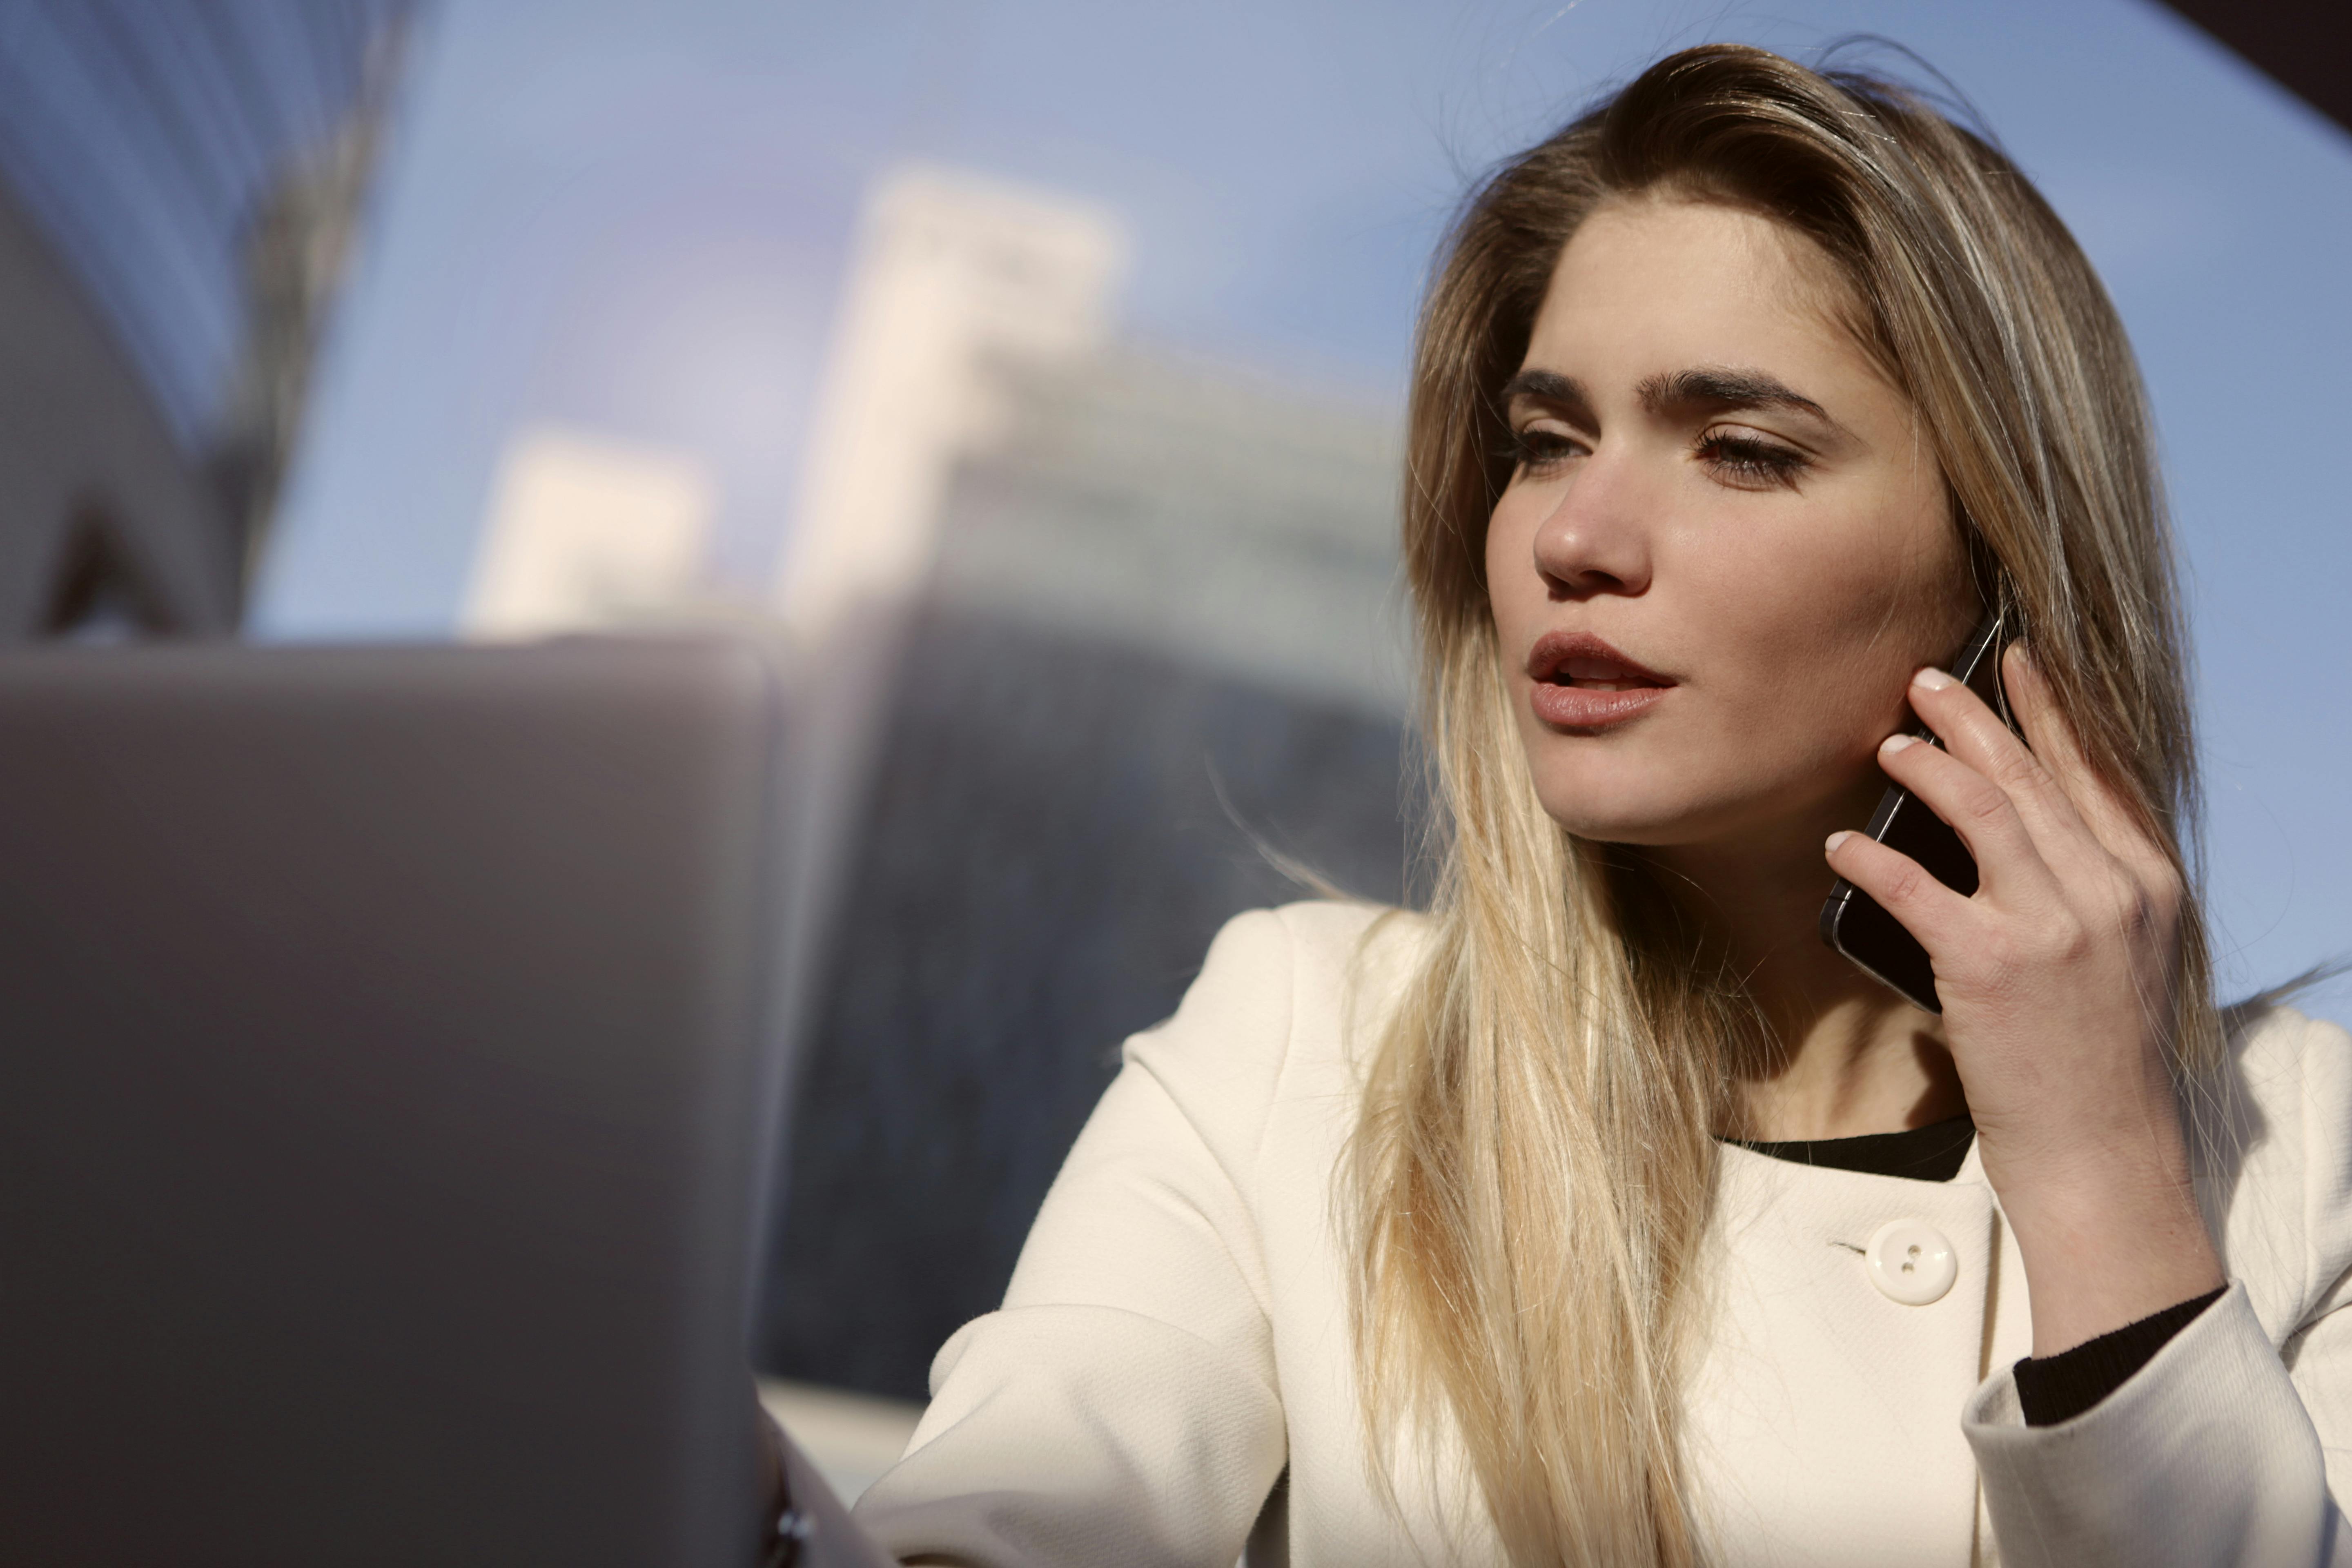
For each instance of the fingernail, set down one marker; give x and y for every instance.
(1934, 680)
(1894, 743)
(1840, 836)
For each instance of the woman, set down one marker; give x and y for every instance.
(1603, 1215)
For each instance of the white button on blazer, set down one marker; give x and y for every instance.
(1910, 1261)
(1175, 1338)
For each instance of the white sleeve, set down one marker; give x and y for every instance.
(1120, 1408)
(2208, 1454)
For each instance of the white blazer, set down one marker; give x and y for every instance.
(1175, 1338)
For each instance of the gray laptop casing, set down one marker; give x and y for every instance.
(386, 1084)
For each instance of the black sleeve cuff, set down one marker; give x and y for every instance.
(2063, 1386)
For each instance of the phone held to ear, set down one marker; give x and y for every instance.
(1852, 920)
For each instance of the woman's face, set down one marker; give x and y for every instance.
(1726, 545)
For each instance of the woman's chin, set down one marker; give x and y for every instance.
(1644, 829)
(1764, 807)
(1655, 824)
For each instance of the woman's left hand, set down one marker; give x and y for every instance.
(2057, 979)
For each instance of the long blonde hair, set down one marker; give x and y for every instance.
(1531, 1179)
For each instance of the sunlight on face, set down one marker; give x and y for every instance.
(1726, 545)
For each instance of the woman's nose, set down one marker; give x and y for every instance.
(1596, 540)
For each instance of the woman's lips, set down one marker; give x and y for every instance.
(1583, 683)
(1581, 707)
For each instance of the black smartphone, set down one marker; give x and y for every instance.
(1852, 920)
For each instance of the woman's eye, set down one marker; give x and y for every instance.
(1749, 462)
(1536, 451)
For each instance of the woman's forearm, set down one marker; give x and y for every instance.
(2110, 1243)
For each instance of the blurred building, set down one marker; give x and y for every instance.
(1091, 642)
(957, 284)
(1105, 635)
(586, 532)
(1195, 513)
(179, 183)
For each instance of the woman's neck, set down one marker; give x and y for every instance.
(1844, 1055)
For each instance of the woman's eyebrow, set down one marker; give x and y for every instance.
(1703, 387)
(1564, 392)
(1719, 387)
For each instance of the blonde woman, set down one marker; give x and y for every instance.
(1603, 1215)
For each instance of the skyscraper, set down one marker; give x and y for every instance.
(1086, 627)
(179, 183)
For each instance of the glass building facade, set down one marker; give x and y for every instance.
(186, 177)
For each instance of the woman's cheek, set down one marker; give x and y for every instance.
(1515, 591)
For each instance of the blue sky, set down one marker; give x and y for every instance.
(633, 219)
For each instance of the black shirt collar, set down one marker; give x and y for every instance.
(1930, 1153)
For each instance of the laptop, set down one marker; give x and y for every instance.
(387, 1084)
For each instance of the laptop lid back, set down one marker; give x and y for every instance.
(384, 1082)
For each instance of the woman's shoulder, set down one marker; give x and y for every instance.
(1330, 934)
(2272, 1142)
(1307, 964)
(2286, 1089)
(1282, 997)
(2279, 1052)
(1272, 971)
